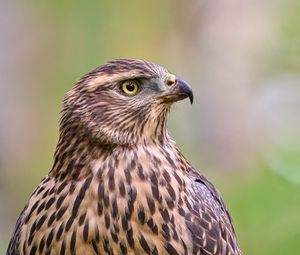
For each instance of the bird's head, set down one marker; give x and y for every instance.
(122, 102)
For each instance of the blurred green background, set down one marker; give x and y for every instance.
(242, 59)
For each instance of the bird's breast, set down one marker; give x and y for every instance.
(135, 197)
(129, 204)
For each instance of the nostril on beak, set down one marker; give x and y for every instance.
(170, 83)
(171, 80)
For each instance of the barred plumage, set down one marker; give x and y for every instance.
(118, 184)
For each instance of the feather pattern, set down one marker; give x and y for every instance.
(119, 184)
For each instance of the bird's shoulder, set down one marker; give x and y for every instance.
(14, 244)
(204, 189)
(14, 247)
(209, 221)
(38, 217)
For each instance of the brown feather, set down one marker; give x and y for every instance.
(118, 184)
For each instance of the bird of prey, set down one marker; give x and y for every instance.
(119, 184)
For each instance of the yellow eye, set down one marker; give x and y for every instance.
(129, 87)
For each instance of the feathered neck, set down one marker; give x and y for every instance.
(76, 152)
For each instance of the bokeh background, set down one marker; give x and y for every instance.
(243, 130)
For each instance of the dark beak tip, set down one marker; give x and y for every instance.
(191, 97)
(186, 89)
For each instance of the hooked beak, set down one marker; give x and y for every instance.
(178, 91)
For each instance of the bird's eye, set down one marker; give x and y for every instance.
(130, 87)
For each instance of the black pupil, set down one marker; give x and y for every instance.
(130, 87)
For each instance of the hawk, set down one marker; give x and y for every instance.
(119, 184)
